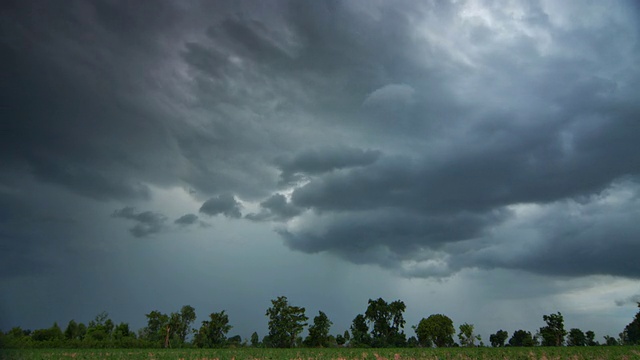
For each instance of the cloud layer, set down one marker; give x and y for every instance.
(424, 138)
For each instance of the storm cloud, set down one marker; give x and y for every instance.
(425, 140)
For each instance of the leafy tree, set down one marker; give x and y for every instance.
(285, 323)
(553, 334)
(319, 331)
(387, 320)
(122, 331)
(213, 332)
(360, 332)
(498, 339)
(466, 336)
(100, 328)
(235, 341)
(340, 341)
(54, 333)
(589, 337)
(181, 323)
(156, 329)
(255, 339)
(72, 332)
(610, 341)
(521, 338)
(631, 333)
(576, 338)
(436, 329)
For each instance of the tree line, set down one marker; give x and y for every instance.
(381, 325)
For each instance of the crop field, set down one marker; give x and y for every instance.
(541, 353)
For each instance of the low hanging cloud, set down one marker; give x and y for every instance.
(631, 300)
(147, 222)
(188, 219)
(225, 204)
(275, 208)
(319, 161)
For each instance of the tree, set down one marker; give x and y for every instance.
(360, 332)
(466, 336)
(610, 341)
(576, 338)
(100, 328)
(498, 339)
(436, 329)
(122, 331)
(553, 334)
(387, 320)
(590, 336)
(72, 331)
(631, 333)
(285, 322)
(182, 321)
(521, 338)
(319, 331)
(255, 339)
(156, 329)
(213, 332)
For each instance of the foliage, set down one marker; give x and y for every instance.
(576, 338)
(436, 329)
(255, 339)
(498, 339)
(285, 323)
(553, 334)
(319, 331)
(466, 336)
(387, 321)
(360, 332)
(631, 333)
(521, 338)
(213, 332)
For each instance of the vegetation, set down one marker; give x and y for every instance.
(381, 326)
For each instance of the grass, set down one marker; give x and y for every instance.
(569, 353)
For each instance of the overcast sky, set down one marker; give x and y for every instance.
(479, 159)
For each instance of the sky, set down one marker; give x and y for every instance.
(478, 159)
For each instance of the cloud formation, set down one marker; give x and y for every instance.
(225, 204)
(147, 222)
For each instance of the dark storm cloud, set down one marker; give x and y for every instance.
(406, 133)
(275, 208)
(314, 162)
(147, 222)
(188, 219)
(225, 204)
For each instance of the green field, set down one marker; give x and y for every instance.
(569, 353)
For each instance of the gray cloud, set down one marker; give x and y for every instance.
(275, 208)
(147, 222)
(188, 219)
(319, 161)
(631, 300)
(225, 204)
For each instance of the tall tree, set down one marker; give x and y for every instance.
(182, 322)
(466, 336)
(436, 329)
(576, 338)
(285, 322)
(360, 332)
(553, 334)
(255, 339)
(156, 328)
(213, 332)
(319, 331)
(498, 339)
(631, 333)
(521, 338)
(388, 322)
(590, 338)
